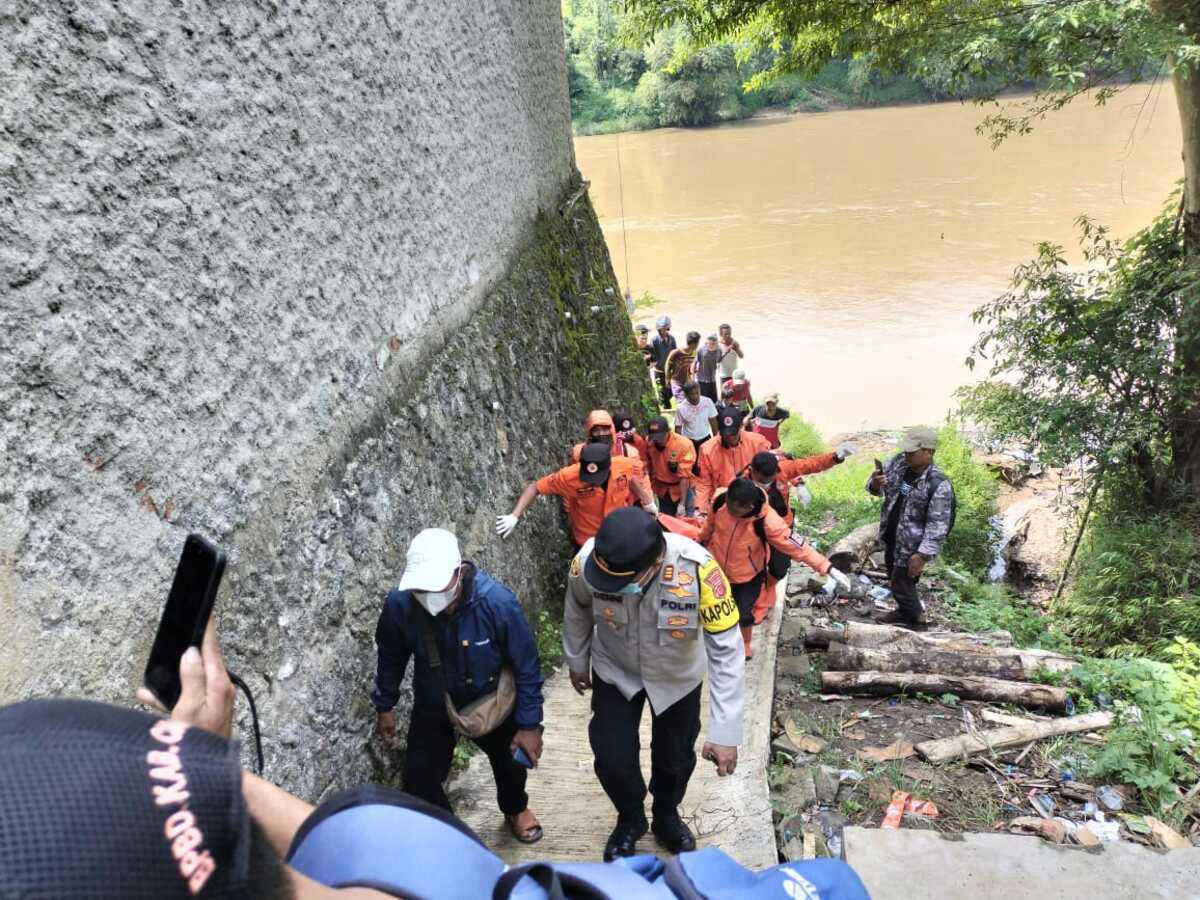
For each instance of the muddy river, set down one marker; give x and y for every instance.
(847, 249)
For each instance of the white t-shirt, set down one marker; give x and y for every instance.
(729, 362)
(692, 421)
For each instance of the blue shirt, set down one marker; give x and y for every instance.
(486, 631)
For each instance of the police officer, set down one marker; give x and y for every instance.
(646, 613)
(917, 515)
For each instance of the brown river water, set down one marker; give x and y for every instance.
(848, 249)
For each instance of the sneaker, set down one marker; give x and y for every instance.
(624, 838)
(896, 617)
(673, 832)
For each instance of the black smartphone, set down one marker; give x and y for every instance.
(185, 616)
(878, 466)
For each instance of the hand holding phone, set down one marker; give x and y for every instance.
(185, 617)
(521, 758)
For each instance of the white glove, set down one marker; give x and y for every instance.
(506, 524)
(836, 579)
(652, 509)
(802, 494)
(844, 450)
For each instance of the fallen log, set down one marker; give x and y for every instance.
(844, 658)
(888, 638)
(963, 745)
(968, 687)
(851, 552)
(861, 634)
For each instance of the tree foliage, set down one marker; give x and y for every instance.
(1082, 359)
(1065, 47)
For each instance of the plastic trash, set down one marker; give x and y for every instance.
(879, 593)
(1109, 798)
(1103, 701)
(1043, 803)
(1066, 775)
(895, 810)
(1108, 832)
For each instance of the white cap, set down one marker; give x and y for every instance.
(739, 374)
(433, 556)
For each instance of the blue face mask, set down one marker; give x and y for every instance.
(632, 588)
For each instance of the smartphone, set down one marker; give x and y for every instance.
(878, 466)
(521, 758)
(184, 618)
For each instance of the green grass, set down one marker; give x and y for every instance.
(975, 605)
(839, 494)
(800, 437)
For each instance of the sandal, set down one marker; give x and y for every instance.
(530, 834)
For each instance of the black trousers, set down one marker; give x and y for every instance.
(708, 389)
(668, 505)
(904, 587)
(745, 593)
(430, 751)
(698, 444)
(613, 733)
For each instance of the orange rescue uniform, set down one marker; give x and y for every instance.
(742, 552)
(586, 505)
(719, 465)
(679, 452)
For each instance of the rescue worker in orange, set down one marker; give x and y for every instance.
(590, 490)
(740, 534)
(600, 428)
(670, 458)
(723, 459)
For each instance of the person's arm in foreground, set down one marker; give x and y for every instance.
(726, 669)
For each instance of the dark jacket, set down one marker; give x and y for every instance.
(926, 514)
(486, 631)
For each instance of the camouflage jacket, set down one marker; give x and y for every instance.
(928, 512)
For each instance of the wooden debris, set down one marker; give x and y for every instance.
(844, 658)
(964, 744)
(898, 750)
(967, 687)
(999, 718)
(1085, 837)
(882, 637)
(851, 552)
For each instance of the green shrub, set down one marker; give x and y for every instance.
(840, 499)
(972, 543)
(548, 634)
(800, 437)
(1157, 721)
(1137, 586)
(975, 605)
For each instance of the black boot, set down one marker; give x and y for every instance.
(673, 832)
(897, 617)
(624, 838)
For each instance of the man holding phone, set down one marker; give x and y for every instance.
(477, 670)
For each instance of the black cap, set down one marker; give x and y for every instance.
(765, 462)
(103, 801)
(594, 462)
(658, 425)
(729, 420)
(628, 542)
(622, 421)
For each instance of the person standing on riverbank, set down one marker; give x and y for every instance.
(471, 641)
(645, 615)
(599, 484)
(731, 352)
(695, 417)
(662, 345)
(766, 418)
(708, 358)
(916, 517)
(681, 365)
(671, 459)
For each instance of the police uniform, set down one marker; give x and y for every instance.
(655, 644)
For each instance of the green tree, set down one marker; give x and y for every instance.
(1072, 47)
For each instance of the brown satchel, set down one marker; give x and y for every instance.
(479, 717)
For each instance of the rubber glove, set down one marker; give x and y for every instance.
(844, 450)
(652, 509)
(506, 524)
(835, 579)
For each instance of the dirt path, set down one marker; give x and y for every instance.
(731, 813)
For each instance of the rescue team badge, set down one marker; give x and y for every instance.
(727, 421)
(716, 583)
(575, 567)
(669, 574)
(592, 468)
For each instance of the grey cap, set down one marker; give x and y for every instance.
(663, 322)
(919, 437)
(643, 328)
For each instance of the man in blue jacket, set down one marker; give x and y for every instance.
(478, 628)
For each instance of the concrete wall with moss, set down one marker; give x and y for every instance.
(304, 280)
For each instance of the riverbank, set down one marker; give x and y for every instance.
(840, 760)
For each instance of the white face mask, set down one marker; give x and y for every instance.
(436, 601)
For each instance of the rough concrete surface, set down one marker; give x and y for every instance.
(277, 274)
(732, 813)
(922, 865)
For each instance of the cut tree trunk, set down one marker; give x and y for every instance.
(963, 745)
(844, 658)
(851, 552)
(889, 639)
(968, 687)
